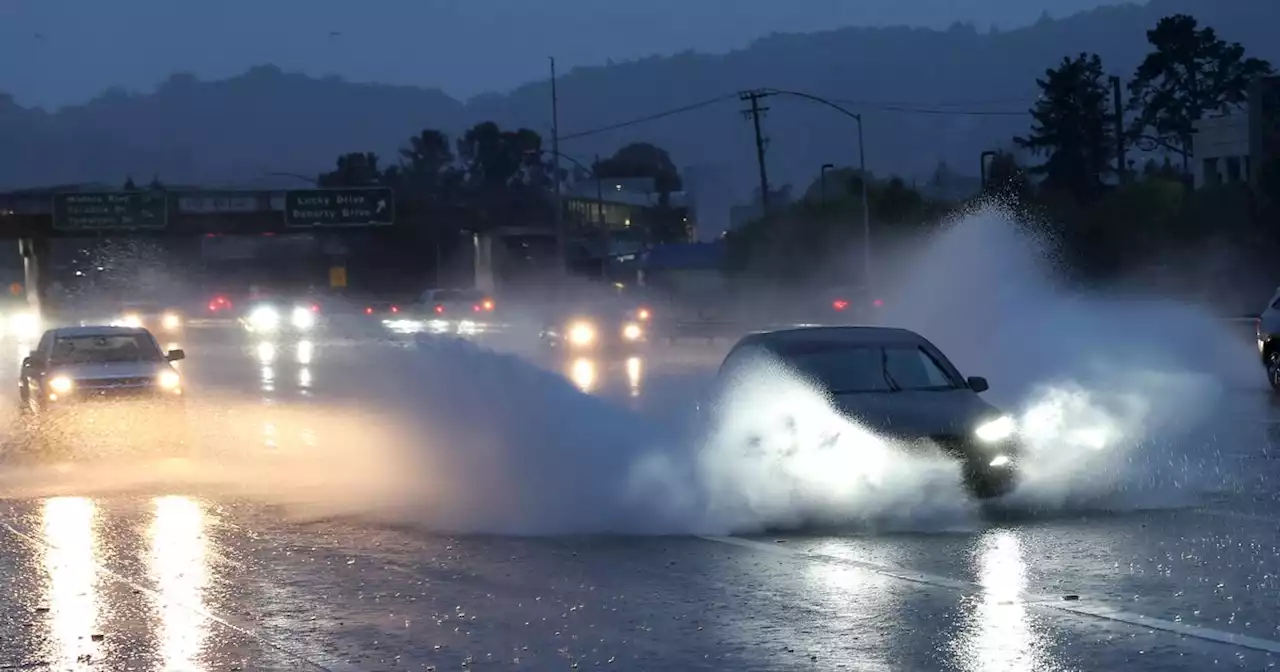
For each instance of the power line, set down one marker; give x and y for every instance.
(651, 117)
(940, 110)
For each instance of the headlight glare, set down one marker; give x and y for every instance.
(169, 380)
(632, 331)
(265, 318)
(302, 318)
(61, 384)
(582, 333)
(999, 429)
(170, 321)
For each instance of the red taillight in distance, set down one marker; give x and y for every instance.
(368, 310)
(315, 307)
(439, 309)
(839, 304)
(878, 303)
(395, 309)
(218, 303)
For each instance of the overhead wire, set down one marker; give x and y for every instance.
(940, 109)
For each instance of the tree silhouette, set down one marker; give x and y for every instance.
(1190, 73)
(1072, 127)
(642, 159)
(356, 169)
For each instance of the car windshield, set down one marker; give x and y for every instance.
(456, 295)
(842, 368)
(102, 349)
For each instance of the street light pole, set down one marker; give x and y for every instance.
(561, 243)
(862, 167)
(866, 209)
(822, 183)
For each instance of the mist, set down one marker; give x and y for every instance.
(1117, 397)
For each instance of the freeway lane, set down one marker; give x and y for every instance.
(191, 573)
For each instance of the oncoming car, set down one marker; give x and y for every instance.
(600, 328)
(897, 384)
(150, 316)
(72, 366)
(265, 316)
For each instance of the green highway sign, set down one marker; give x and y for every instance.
(110, 211)
(360, 206)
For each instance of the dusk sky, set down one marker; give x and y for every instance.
(60, 52)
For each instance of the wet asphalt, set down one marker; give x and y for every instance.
(162, 576)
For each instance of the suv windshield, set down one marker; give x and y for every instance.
(104, 349)
(841, 368)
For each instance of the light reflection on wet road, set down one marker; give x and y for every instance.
(179, 581)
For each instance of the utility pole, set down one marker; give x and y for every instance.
(561, 244)
(1122, 168)
(754, 114)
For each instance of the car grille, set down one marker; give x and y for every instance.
(110, 383)
(953, 444)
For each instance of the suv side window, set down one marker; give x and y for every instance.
(46, 344)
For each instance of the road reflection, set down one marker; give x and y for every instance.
(179, 567)
(592, 375)
(282, 363)
(70, 554)
(998, 634)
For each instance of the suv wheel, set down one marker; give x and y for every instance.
(1273, 369)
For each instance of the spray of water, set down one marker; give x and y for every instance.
(1119, 396)
(1109, 392)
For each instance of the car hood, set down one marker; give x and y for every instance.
(910, 414)
(111, 370)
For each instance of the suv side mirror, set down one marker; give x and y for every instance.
(176, 355)
(27, 362)
(978, 384)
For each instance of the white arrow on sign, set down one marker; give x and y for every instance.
(382, 205)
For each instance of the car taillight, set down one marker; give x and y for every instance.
(368, 310)
(839, 304)
(395, 309)
(878, 303)
(315, 307)
(439, 309)
(477, 308)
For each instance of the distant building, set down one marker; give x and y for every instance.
(1234, 147)
(1264, 125)
(627, 205)
(1221, 150)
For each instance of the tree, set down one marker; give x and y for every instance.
(641, 159)
(1072, 127)
(1190, 73)
(355, 169)
(504, 173)
(427, 170)
(129, 185)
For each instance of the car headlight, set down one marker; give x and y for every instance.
(265, 318)
(24, 325)
(582, 333)
(632, 331)
(303, 318)
(170, 321)
(61, 384)
(996, 430)
(169, 380)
